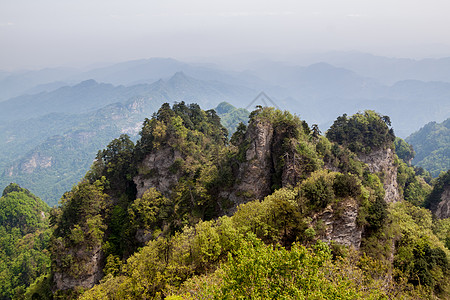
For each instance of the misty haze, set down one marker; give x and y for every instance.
(182, 143)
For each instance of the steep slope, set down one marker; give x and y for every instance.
(231, 117)
(24, 238)
(279, 179)
(432, 146)
(56, 164)
(48, 154)
(368, 136)
(280, 183)
(439, 199)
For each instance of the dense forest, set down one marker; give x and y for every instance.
(24, 241)
(277, 210)
(432, 146)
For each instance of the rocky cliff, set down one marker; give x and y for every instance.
(443, 208)
(158, 170)
(183, 155)
(439, 199)
(382, 163)
(88, 272)
(253, 180)
(341, 223)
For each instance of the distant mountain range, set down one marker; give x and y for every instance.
(77, 112)
(89, 96)
(50, 139)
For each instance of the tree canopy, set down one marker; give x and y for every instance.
(362, 132)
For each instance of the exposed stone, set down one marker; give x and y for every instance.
(36, 161)
(382, 162)
(143, 235)
(443, 208)
(254, 175)
(92, 272)
(340, 223)
(155, 171)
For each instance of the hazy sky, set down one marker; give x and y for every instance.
(39, 33)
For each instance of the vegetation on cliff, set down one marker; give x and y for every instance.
(432, 146)
(24, 237)
(276, 211)
(362, 132)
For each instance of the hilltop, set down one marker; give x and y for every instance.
(182, 212)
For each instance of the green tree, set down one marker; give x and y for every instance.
(404, 150)
(24, 237)
(362, 132)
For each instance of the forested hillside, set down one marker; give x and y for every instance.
(276, 211)
(50, 152)
(24, 238)
(432, 146)
(53, 121)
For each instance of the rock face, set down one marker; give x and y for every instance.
(254, 174)
(340, 223)
(443, 208)
(158, 170)
(37, 160)
(91, 272)
(382, 162)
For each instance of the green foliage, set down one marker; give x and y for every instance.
(441, 229)
(442, 182)
(420, 257)
(338, 157)
(238, 136)
(251, 270)
(413, 186)
(231, 117)
(362, 132)
(22, 210)
(84, 201)
(263, 272)
(188, 251)
(377, 214)
(24, 237)
(318, 189)
(346, 185)
(149, 212)
(201, 170)
(432, 144)
(115, 162)
(404, 150)
(41, 288)
(182, 126)
(78, 224)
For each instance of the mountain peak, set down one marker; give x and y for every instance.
(179, 78)
(179, 75)
(87, 83)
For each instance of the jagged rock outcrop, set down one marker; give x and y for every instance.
(158, 170)
(90, 274)
(382, 162)
(270, 161)
(254, 174)
(443, 208)
(196, 176)
(340, 223)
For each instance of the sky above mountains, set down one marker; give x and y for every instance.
(41, 33)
